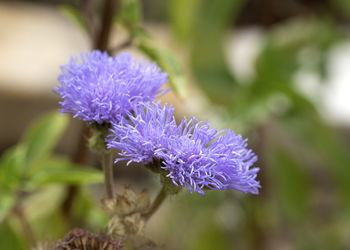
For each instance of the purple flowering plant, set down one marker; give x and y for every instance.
(119, 92)
(192, 154)
(98, 88)
(115, 96)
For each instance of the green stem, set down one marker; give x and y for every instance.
(157, 202)
(107, 164)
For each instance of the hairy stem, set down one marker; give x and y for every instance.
(107, 164)
(157, 202)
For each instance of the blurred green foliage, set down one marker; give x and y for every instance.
(32, 181)
(305, 155)
(305, 163)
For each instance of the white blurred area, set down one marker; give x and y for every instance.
(332, 96)
(35, 40)
(336, 94)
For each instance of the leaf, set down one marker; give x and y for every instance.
(169, 64)
(42, 136)
(47, 221)
(9, 239)
(75, 15)
(7, 201)
(67, 176)
(183, 15)
(11, 165)
(52, 196)
(130, 14)
(61, 171)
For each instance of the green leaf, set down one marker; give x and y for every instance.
(130, 14)
(52, 196)
(9, 238)
(11, 165)
(42, 136)
(61, 171)
(183, 15)
(74, 14)
(169, 64)
(67, 176)
(7, 201)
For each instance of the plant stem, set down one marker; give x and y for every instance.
(157, 202)
(100, 40)
(107, 164)
(108, 15)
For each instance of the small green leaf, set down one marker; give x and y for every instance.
(74, 14)
(7, 201)
(67, 176)
(169, 64)
(11, 165)
(61, 171)
(130, 14)
(42, 136)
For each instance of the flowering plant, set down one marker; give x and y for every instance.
(119, 94)
(100, 89)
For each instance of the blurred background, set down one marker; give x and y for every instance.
(275, 71)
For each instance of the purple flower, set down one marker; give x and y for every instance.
(193, 155)
(98, 88)
(143, 132)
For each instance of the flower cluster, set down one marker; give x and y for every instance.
(119, 91)
(100, 89)
(193, 155)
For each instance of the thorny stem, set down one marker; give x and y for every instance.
(157, 202)
(107, 164)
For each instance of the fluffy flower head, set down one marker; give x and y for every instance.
(98, 88)
(193, 155)
(144, 131)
